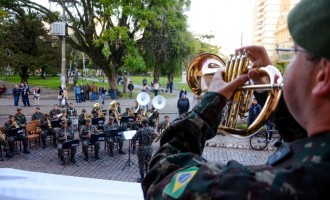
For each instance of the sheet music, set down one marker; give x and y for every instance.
(128, 135)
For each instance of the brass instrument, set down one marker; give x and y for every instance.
(15, 125)
(200, 72)
(2, 136)
(49, 124)
(114, 107)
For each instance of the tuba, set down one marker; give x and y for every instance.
(200, 72)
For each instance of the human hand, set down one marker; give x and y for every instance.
(219, 86)
(257, 55)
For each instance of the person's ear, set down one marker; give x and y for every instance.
(322, 87)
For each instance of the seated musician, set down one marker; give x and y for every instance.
(136, 125)
(55, 112)
(68, 118)
(110, 138)
(65, 134)
(82, 118)
(100, 119)
(47, 129)
(20, 117)
(143, 112)
(96, 107)
(85, 135)
(37, 115)
(128, 113)
(10, 126)
(136, 108)
(113, 113)
(153, 117)
(71, 111)
(4, 143)
(164, 124)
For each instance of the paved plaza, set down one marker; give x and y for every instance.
(219, 149)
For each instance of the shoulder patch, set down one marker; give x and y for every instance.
(179, 182)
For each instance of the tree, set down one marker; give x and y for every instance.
(24, 36)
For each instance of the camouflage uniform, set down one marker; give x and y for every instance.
(81, 120)
(37, 116)
(84, 132)
(297, 170)
(20, 118)
(111, 139)
(71, 111)
(153, 119)
(4, 143)
(145, 136)
(53, 113)
(47, 129)
(60, 133)
(11, 139)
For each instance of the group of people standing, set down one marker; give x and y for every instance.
(23, 91)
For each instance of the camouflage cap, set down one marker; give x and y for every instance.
(88, 120)
(308, 24)
(144, 120)
(64, 121)
(63, 111)
(19, 109)
(83, 110)
(111, 117)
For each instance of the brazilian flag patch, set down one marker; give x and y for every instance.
(179, 182)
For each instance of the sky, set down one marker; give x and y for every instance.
(230, 21)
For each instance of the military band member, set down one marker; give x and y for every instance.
(82, 118)
(37, 115)
(71, 111)
(145, 136)
(20, 117)
(65, 134)
(47, 129)
(4, 143)
(85, 135)
(153, 117)
(164, 124)
(136, 108)
(111, 139)
(10, 125)
(55, 112)
(68, 118)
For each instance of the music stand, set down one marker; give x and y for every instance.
(128, 135)
(56, 123)
(16, 132)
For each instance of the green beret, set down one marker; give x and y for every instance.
(309, 26)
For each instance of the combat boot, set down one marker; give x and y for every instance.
(8, 154)
(26, 151)
(73, 160)
(121, 151)
(97, 157)
(86, 157)
(111, 152)
(44, 144)
(62, 160)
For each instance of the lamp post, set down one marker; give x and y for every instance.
(63, 60)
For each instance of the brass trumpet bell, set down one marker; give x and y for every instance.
(200, 72)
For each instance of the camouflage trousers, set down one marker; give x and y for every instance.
(86, 143)
(60, 151)
(11, 141)
(144, 154)
(4, 143)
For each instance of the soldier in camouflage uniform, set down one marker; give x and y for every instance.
(54, 112)
(37, 115)
(10, 125)
(47, 129)
(4, 143)
(65, 134)
(298, 169)
(153, 117)
(71, 111)
(85, 135)
(145, 136)
(66, 117)
(164, 124)
(20, 117)
(110, 139)
(82, 119)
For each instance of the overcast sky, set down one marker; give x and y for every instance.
(228, 20)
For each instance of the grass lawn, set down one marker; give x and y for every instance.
(54, 82)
